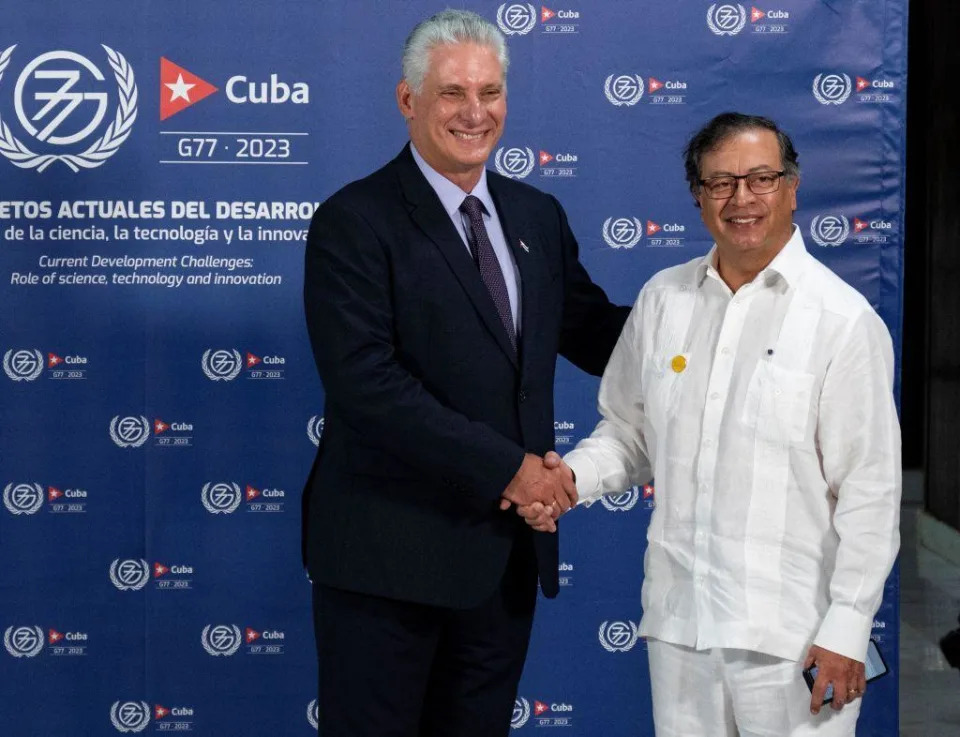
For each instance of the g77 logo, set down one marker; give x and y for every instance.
(726, 20)
(516, 19)
(832, 89)
(60, 104)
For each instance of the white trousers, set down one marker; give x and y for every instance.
(726, 693)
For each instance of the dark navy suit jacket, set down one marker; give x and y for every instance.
(428, 409)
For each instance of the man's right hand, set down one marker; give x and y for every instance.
(535, 482)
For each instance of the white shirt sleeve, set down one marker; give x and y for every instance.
(614, 457)
(859, 440)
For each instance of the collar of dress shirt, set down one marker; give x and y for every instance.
(788, 264)
(451, 196)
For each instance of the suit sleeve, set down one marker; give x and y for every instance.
(347, 299)
(591, 323)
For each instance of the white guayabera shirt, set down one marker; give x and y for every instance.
(768, 421)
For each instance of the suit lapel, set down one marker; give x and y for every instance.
(428, 214)
(516, 228)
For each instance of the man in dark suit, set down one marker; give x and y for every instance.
(438, 296)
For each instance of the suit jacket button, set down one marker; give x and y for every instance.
(522, 396)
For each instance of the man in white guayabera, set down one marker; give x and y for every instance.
(756, 386)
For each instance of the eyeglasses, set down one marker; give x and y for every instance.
(758, 182)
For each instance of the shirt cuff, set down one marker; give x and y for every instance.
(845, 631)
(588, 478)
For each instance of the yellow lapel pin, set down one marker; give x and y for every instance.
(678, 364)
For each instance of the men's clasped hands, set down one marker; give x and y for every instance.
(542, 490)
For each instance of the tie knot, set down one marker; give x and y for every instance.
(472, 206)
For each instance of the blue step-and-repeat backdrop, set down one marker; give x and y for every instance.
(159, 162)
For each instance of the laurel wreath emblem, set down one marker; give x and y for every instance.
(100, 150)
(13, 374)
(136, 585)
(315, 429)
(823, 99)
(31, 508)
(115, 436)
(613, 503)
(521, 712)
(503, 170)
(527, 26)
(616, 243)
(741, 22)
(205, 640)
(229, 375)
(211, 507)
(143, 717)
(605, 636)
(313, 714)
(17, 652)
(821, 239)
(618, 101)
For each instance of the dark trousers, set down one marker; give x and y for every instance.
(398, 669)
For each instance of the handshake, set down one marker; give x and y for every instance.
(542, 490)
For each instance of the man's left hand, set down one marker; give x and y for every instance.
(848, 677)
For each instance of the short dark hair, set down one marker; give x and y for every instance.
(725, 126)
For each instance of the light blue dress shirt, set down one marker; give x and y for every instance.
(451, 197)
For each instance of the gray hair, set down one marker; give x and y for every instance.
(449, 27)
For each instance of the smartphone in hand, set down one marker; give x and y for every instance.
(875, 666)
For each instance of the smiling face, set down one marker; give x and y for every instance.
(457, 117)
(748, 227)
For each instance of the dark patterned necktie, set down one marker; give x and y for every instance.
(489, 267)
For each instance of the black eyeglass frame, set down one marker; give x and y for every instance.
(737, 177)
